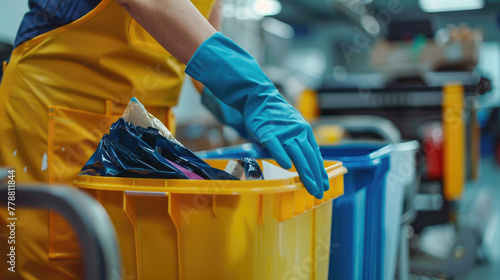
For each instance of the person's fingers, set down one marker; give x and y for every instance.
(324, 175)
(305, 172)
(278, 153)
(313, 163)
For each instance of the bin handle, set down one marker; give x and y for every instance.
(140, 193)
(90, 220)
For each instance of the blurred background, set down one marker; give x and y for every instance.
(377, 70)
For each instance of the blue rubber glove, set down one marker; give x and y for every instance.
(236, 79)
(225, 114)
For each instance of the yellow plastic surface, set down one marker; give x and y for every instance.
(178, 229)
(328, 134)
(307, 104)
(59, 94)
(454, 146)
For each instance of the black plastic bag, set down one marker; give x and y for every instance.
(130, 151)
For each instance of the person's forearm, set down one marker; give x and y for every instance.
(176, 24)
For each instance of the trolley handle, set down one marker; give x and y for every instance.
(90, 220)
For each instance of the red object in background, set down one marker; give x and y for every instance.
(433, 149)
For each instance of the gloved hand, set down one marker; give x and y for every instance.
(236, 79)
(225, 114)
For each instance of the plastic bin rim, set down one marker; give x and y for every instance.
(374, 157)
(405, 146)
(206, 187)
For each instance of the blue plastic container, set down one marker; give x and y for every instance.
(365, 220)
(357, 236)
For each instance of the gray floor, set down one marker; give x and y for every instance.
(481, 207)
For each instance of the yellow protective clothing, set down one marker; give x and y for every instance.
(60, 93)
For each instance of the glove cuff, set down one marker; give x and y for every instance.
(229, 72)
(199, 62)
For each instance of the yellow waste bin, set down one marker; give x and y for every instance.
(203, 229)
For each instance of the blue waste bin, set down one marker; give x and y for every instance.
(365, 220)
(357, 236)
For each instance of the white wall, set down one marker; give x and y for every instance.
(11, 14)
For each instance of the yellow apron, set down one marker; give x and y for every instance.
(60, 93)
